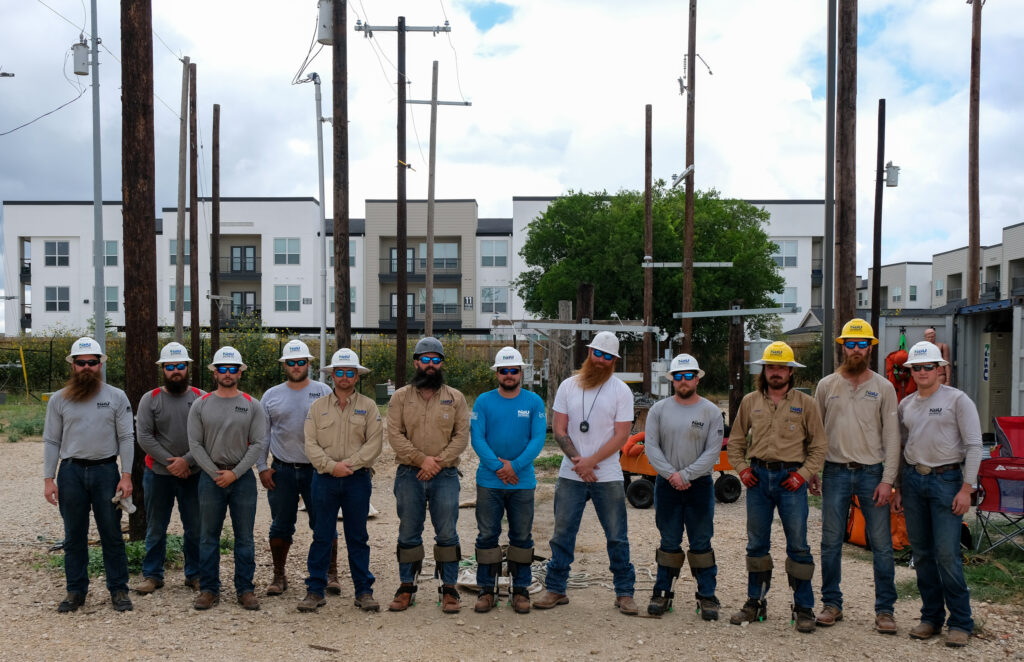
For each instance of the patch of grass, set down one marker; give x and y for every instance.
(814, 501)
(907, 589)
(997, 576)
(548, 462)
(20, 421)
(136, 552)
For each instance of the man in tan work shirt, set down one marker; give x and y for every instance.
(428, 427)
(859, 410)
(786, 448)
(343, 434)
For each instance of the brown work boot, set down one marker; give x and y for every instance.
(192, 583)
(71, 602)
(547, 600)
(450, 602)
(753, 610)
(205, 600)
(626, 605)
(520, 601)
(885, 623)
(485, 602)
(279, 551)
(333, 587)
(708, 607)
(248, 601)
(311, 602)
(828, 616)
(148, 585)
(803, 618)
(366, 602)
(923, 630)
(956, 638)
(404, 596)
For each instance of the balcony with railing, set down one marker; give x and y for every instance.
(1017, 286)
(447, 269)
(989, 292)
(954, 293)
(446, 316)
(817, 275)
(239, 268)
(26, 272)
(241, 315)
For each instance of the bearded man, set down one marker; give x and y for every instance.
(88, 425)
(593, 412)
(859, 410)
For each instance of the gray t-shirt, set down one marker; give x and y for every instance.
(227, 432)
(161, 424)
(683, 438)
(943, 428)
(286, 410)
(92, 429)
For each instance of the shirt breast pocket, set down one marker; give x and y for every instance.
(325, 424)
(446, 420)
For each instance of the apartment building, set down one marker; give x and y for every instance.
(902, 285)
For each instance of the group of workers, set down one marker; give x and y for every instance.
(852, 439)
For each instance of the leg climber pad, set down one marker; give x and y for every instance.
(448, 553)
(518, 557)
(798, 572)
(489, 559)
(760, 569)
(701, 561)
(488, 556)
(413, 555)
(672, 560)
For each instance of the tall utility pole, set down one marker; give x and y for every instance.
(876, 244)
(691, 59)
(339, 104)
(648, 252)
(322, 221)
(179, 253)
(215, 233)
(193, 225)
(846, 173)
(827, 351)
(973, 188)
(138, 225)
(99, 293)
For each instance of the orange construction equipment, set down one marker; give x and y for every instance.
(640, 493)
(899, 376)
(855, 534)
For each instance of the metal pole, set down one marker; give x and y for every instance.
(827, 323)
(99, 291)
(648, 251)
(876, 253)
(323, 222)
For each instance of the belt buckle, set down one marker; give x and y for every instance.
(922, 469)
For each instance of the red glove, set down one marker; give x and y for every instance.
(794, 481)
(748, 478)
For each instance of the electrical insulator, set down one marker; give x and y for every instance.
(325, 25)
(81, 58)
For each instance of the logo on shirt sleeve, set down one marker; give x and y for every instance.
(473, 416)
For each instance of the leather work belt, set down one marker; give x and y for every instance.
(852, 466)
(293, 465)
(226, 467)
(93, 463)
(772, 465)
(924, 470)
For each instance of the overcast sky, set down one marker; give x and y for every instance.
(558, 90)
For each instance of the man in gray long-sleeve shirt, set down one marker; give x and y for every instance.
(227, 434)
(88, 424)
(941, 436)
(161, 423)
(683, 439)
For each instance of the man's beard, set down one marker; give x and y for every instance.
(854, 364)
(292, 378)
(428, 380)
(507, 387)
(82, 385)
(593, 373)
(684, 392)
(176, 386)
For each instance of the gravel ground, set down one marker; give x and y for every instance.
(164, 625)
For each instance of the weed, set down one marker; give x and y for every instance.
(548, 462)
(136, 552)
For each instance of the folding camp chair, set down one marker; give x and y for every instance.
(1000, 511)
(1009, 433)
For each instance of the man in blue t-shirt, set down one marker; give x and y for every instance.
(507, 431)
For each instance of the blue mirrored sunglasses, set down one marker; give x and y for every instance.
(175, 366)
(927, 367)
(680, 376)
(345, 373)
(508, 371)
(859, 344)
(291, 363)
(427, 360)
(602, 355)
(92, 363)
(222, 369)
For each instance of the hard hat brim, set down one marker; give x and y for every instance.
(362, 370)
(70, 358)
(841, 339)
(162, 361)
(241, 366)
(700, 373)
(791, 364)
(941, 362)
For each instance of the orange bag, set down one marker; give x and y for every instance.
(855, 534)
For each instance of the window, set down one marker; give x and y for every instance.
(330, 252)
(58, 299)
(862, 299)
(938, 287)
(786, 255)
(446, 256)
(494, 253)
(286, 251)
(351, 300)
(787, 298)
(352, 256)
(446, 301)
(174, 252)
(897, 294)
(187, 308)
(287, 297)
(110, 253)
(243, 258)
(112, 300)
(243, 303)
(494, 300)
(57, 254)
(912, 294)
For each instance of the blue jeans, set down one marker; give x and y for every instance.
(762, 500)
(79, 489)
(350, 495)
(610, 505)
(214, 503)
(934, 533)
(491, 505)
(839, 484)
(413, 497)
(692, 509)
(290, 483)
(160, 492)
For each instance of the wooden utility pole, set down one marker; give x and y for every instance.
(339, 102)
(139, 225)
(735, 361)
(428, 315)
(215, 234)
(828, 353)
(973, 186)
(648, 254)
(402, 321)
(179, 253)
(559, 356)
(876, 245)
(691, 79)
(584, 314)
(846, 174)
(193, 225)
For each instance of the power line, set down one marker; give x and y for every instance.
(80, 28)
(298, 79)
(44, 114)
(455, 53)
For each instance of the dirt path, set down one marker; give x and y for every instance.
(163, 625)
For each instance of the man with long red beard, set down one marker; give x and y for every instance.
(593, 412)
(859, 410)
(88, 425)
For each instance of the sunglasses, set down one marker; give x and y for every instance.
(92, 363)
(928, 367)
(508, 371)
(175, 366)
(345, 373)
(602, 355)
(291, 363)
(427, 360)
(859, 344)
(222, 369)
(680, 376)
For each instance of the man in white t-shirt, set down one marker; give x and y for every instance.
(593, 412)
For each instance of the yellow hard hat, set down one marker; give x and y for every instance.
(857, 328)
(779, 353)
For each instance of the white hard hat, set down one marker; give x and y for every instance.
(295, 349)
(685, 363)
(85, 346)
(606, 341)
(925, 352)
(345, 358)
(508, 357)
(227, 355)
(174, 352)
